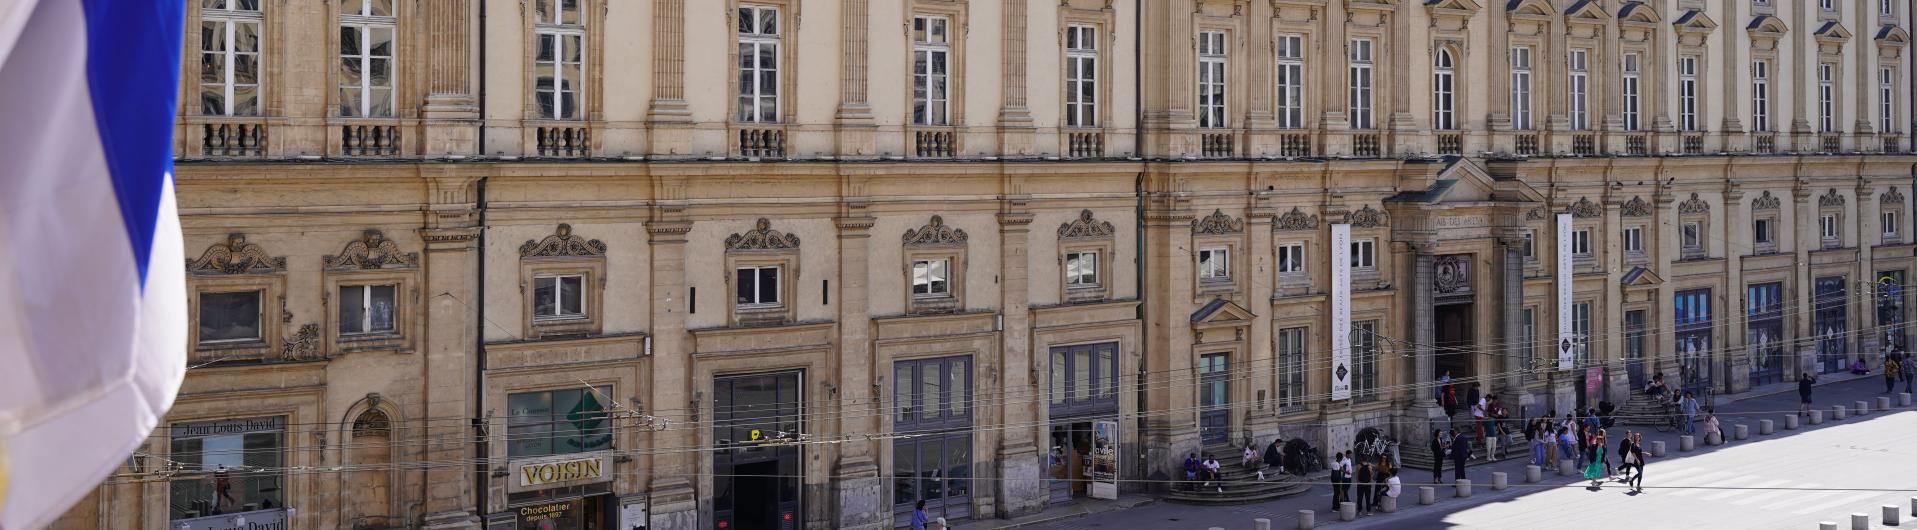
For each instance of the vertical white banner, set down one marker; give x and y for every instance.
(1567, 340)
(1341, 312)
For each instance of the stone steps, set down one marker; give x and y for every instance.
(1240, 485)
(1419, 458)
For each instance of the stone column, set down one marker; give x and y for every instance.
(1424, 332)
(1735, 353)
(669, 116)
(1021, 485)
(1262, 397)
(1171, 429)
(451, 113)
(451, 237)
(674, 497)
(860, 491)
(1513, 312)
(1806, 297)
(854, 117)
(1014, 117)
(1865, 281)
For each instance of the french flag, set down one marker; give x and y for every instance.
(92, 280)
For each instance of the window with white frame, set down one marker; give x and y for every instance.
(759, 64)
(1528, 352)
(931, 278)
(1634, 239)
(1530, 246)
(1631, 89)
(1521, 87)
(366, 308)
(366, 59)
(1760, 96)
(1214, 264)
(1764, 231)
(230, 57)
(1081, 269)
(1361, 84)
(1291, 81)
(1081, 76)
(1886, 100)
(1692, 236)
(1580, 66)
(560, 62)
(1827, 226)
(1291, 368)
(931, 70)
(558, 297)
(1581, 242)
(1364, 254)
(1826, 97)
(1444, 105)
(756, 286)
(1890, 224)
(1827, 5)
(1886, 7)
(1291, 259)
(230, 316)
(1581, 332)
(1211, 79)
(1687, 93)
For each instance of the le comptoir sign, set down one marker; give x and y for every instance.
(568, 470)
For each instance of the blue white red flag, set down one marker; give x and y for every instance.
(92, 282)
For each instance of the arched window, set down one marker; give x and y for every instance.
(1444, 107)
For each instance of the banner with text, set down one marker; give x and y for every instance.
(1340, 312)
(1566, 339)
(1105, 460)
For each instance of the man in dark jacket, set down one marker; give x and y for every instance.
(1460, 452)
(1623, 451)
(1437, 456)
(1804, 382)
(1274, 457)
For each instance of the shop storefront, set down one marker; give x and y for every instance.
(1083, 389)
(1890, 311)
(1831, 325)
(559, 462)
(231, 473)
(932, 460)
(1694, 357)
(757, 466)
(1764, 332)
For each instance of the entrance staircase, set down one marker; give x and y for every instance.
(1240, 484)
(1417, 457)
(1643, 410)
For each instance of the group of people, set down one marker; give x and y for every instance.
(1206, 472)
(1898, 367)
(1367, 485)
(1488, 416)
(1453, 444)
(1207, 469)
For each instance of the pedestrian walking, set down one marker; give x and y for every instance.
(1565, 444)
(1533, 432)
(1438, 454)
(1379, 484)
(1363, 489)
(1687, 407)
(1595, 471)
(1460, 452)
(1637, 455)
(1909, 370)
(1804, 382)
(1624, 456)
(1584, 445)
(1337, 481)
(1893, 370)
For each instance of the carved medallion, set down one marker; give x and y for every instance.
(1453, 275)
(1216, 224)
(1636, 207)
(562, 244)
(1695, 205)
(1365, 217)
(1296, 220)
(235, 256)
(1585, 209)
(1831, 200)
(935, 233)
(1765, 201)
(371, 251)
(762, 237)
(1085, 227)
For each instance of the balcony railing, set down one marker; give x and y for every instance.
(1764, 143)
(1085, 144)
(1584, 144)
(761, 142)
(1637, 144)
(1450, 144)
(233, 139)
(934, 144)
(564, 141)
(1294, 144)
(1693, 144)
(369, 140)
(1217, 145)
(1893, 144)
(1527, 144)
(1367, 145)
(1830, 143)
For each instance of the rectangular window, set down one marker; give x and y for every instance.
(366, 309)
(1081, 269)
(230, 317)
(1214, 264)
(1693, 236)
(1580, 66)
(1692, 317)
(230, 57)
(1530, 347)
(558, 422)
(559, 297)
(1886, 100)
(1444, 105)
(1890, 224)
(931, 70)
(366, 59)
(1581, 330)
(758, 64)
(1081, 76)
(1084, 379)
(1364, 360)
(1581, 243)
(757, 286)
(1827, 226)
(1364, 254)
(1291, 368)
(1211, 79)
(1827, 97)
(1761, 231)
(1521, 87)
(1687, 93)
(1886, 8)
(1634, 239)
(1291, 258)
(1360, 99)
(1760, 96)
(560, 64)
(226, 467)
(1830, 322)
(1530, 246)
(933, 393)
(1291, 81)
(930, 278)
(1631, 88)
(1827, 5)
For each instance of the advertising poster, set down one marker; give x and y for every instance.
(1340, 312)
(1104, 460)
(1566, 339)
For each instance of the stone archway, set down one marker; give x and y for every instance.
(369, 487)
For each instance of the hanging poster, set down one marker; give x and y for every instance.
(1104, 473)
(1567, 340)
(1340, 312)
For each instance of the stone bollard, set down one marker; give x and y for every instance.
(1817, 416)
(1686, 442)
(1741, 432)
(1883, 402)
(1308, 519)
(1826, 525)
(1766, 426)
(1567, 466)
(1388, 504)
(1261, 524)
(1837, 412)
(1464, 487)
(1427, 495)
(1657, 447)
(1862, 408)
(1533, 474)
(1859, 521)
(1892, 515)
(1498, 481)
(1903, 399)
(1347, 511)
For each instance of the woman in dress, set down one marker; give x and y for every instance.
(1594, 471)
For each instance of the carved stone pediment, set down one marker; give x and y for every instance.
(1695, 205)
(371, 251)
(934, 233)
(1585, 209)
(1766, 201)
(1537, 214)
(1892, 197)
(1366, 217)
(762, 237)
(1296, 219)
(1218, 223)
(236, 256)
(1830, 199)
(1085, 227)
(562, 243)
(1636, 207)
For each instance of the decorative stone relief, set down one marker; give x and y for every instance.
(1636, 207)
(1216, 224)
(935, 233)
(1537, 214)
(1830, 199)
(303, 345)
(1296, 220)
(1085, 227)
(372, 251)
(1892, 197)
(1453, 275)
(1365, 217)
(1766, 202)
(236, 256)
(562, 244)
(1695, 205)
(762, 237)
(1585, 209)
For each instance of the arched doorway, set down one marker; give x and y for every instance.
(370, 483)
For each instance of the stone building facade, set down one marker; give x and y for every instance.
(800, 263)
